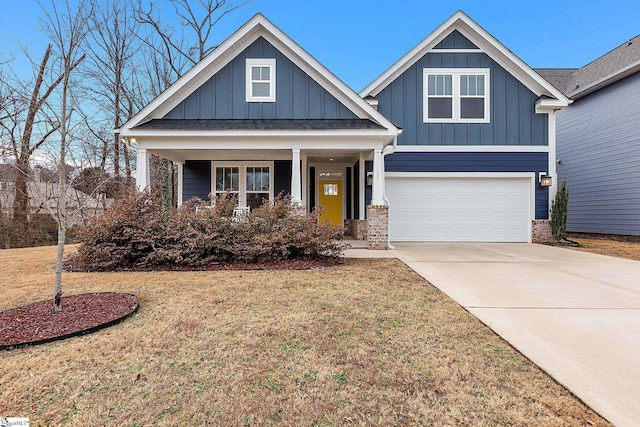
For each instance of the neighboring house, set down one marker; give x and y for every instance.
(43, 195)
(448, 144)
(598, 141)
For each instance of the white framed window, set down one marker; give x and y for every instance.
(261, 80)
(252, 182)
(456, 95)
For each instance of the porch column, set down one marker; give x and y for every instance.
(142, 169)
(296, 190)
(378, 179)
(180, 182)
(552, 160)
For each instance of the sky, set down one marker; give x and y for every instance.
(359, 39)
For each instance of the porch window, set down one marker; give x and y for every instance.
(457, 95)
(257, 188)
(251, 183)
(261, 80)
(228, 179)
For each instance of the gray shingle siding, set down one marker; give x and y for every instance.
(599, 149)
(512, 107)
(223, 96)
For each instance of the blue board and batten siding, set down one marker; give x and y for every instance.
(513, 120)
(223, 96)
(599, 153)
(196, 176)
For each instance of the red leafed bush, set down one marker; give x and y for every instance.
(135, 234)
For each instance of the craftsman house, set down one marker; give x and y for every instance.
(454, 142)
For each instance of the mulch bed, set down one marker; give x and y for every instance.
(597, 236)
(81, 314)
(303, 264)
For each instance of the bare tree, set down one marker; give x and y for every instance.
(113, 49)
(25, 129)
(67, 28)
(181, 49)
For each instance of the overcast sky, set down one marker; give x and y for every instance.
(359, 39)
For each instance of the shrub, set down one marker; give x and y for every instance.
(559, 210)
(136, 233)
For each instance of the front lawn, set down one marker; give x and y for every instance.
(365, 343)
(616, 246)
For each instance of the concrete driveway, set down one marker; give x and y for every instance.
(574, 314)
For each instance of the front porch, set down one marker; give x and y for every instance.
(348, 184)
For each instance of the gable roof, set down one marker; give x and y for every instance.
(256, 27)
(488, 44)
(609, 68)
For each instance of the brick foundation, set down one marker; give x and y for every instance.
(377, 227)
(356, 228)
(541, 231)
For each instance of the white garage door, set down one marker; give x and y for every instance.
(466, 209)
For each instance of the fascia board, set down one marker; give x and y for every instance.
(139, 133)
(234, 143)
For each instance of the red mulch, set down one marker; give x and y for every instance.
(37, 323)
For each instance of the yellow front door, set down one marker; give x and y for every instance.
(330, 199)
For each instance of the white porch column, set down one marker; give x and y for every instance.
(142, 169)
(362, 181)
(378, 179)
(296, 190)
(305, 180)
(180, 182)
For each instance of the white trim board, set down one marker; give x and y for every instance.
(472, 148)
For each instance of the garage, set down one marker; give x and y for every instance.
(479, 208)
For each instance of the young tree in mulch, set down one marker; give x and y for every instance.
(559, 210)
(136, 233)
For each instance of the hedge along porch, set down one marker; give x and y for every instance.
(260, 116)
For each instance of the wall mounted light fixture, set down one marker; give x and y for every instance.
(370, 179)
(545, 180)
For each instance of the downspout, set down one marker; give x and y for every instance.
(389, 149)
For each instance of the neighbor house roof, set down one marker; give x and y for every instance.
(609, 68)
(262, 124)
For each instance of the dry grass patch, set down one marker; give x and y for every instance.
(366, 343)
(628, 250)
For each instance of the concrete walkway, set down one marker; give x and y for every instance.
(574, 314)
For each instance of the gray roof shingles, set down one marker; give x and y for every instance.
(258, 124)
(573, 82)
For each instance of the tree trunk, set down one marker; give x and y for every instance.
(20, 222)
(57, 292)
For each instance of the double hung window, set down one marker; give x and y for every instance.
(261, 80)
(251, 183)
(456, 95)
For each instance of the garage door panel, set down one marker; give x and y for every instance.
(459, 209)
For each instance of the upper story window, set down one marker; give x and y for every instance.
(457, 95)
(261, 80)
